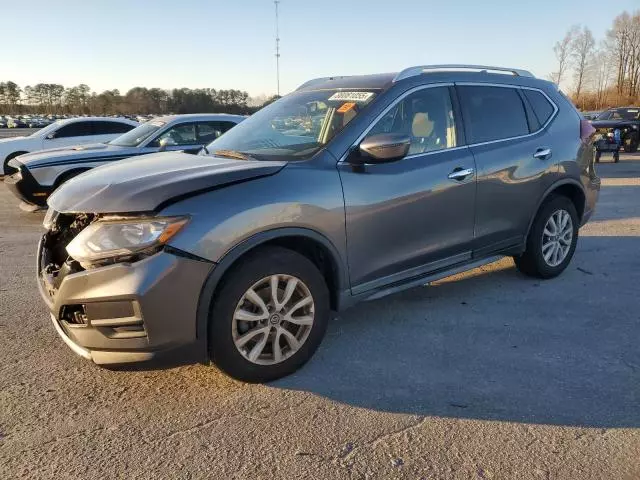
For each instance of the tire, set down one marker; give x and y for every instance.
(532, 262)
(255, 272)
(6, 169)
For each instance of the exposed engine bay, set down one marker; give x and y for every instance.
(55, 262)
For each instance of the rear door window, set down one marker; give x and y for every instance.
(492, 113)
(542, 108)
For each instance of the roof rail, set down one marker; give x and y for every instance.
(420, 69)
(319, 80)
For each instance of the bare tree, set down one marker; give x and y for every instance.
(624, 38)
(581, 49)
(601, 73)
(562, 51)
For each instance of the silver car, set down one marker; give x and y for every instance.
(348, 189)
(36, 175)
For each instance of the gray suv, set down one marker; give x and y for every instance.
(348, 189)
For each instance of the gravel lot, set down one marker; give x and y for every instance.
(487, 375)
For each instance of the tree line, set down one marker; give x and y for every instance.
(601, 72)
(52, 98)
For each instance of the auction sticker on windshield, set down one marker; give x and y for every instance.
(351, 96)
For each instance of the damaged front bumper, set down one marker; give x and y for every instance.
(25, 187)
(127, 312)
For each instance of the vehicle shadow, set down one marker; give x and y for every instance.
(493, 344)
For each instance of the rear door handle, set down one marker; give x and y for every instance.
(542, 153)
(460, 174)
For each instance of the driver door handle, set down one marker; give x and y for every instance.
(460, 174)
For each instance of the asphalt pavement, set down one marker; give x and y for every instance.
(17, 132)
(486, 375)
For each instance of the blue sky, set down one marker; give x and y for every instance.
(230, 43)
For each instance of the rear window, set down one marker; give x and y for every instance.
(542, 108)
(492, 113)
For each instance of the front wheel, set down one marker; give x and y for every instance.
(269, 316)
(552, 240)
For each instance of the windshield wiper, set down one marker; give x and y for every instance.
(231, 154)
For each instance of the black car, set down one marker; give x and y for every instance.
(627, 119)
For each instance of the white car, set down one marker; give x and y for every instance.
(63, 133)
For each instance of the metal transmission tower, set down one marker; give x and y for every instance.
(276, 2)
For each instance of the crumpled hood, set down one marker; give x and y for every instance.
(74, 152)
(141, 184)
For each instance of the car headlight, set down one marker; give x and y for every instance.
(49, 219)
(123, 238)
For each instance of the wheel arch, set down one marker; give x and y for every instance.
(570, 188)
(68, 174)
(310, 243)
(15, 154)
(11, 156)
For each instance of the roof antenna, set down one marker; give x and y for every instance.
(276, 2)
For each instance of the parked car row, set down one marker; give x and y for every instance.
(24, 121)
(40, 121)
(348, 189)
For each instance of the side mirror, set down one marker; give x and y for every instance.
(166, 142)
(385, 147)
(51, 136)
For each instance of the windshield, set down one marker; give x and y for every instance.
(296, 126)
(135, 137)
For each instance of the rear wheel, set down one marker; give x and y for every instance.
(269, 316)
(552, 240)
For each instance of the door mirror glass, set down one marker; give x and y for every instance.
(385, 147)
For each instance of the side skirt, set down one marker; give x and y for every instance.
(418, 281)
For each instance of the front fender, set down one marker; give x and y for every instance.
(213, 280)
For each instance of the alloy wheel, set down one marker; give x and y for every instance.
(273, 319)
(557, 237)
